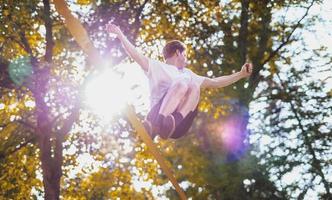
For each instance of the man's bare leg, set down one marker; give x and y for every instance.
(179, 101)
(190, 100)
(173, 98)
(171, 113)
(170, 103)
(187, 109)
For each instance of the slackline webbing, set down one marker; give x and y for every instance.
(82, 38)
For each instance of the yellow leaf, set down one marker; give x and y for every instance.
(6, 12)
(83, 2)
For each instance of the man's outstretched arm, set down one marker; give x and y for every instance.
(224, 81)
(131, 50)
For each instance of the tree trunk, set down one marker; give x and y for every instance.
(51, 166)
(243, 33)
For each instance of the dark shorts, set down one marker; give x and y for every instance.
(184, 125)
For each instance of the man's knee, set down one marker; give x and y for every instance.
(193, 89)
(181, 87)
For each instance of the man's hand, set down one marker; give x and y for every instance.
(131, 50)
(111, 28)
(246, 70)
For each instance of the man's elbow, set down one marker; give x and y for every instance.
(144, 63)
(209, 83)
(217, 84)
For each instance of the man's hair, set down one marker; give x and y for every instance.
(171, 47)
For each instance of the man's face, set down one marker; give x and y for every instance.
(182, 58)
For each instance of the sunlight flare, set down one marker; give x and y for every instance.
(107, 94)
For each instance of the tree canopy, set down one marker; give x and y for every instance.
(268, 137)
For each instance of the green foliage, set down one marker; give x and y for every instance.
(18, 174)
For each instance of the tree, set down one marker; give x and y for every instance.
(220, 37)
(298, 134)
(34, 38)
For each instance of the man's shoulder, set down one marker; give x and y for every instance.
(189, 70)
(157, 62)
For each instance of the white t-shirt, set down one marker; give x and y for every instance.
(162, 75)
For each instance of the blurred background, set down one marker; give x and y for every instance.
(63, 127)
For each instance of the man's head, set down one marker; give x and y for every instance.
(175, 51)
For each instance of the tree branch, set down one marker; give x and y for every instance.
(25, 43)
(274, 53)
(21, 145)
(315, 163)
(70, 120)
(24, 123)
(255, 78)
(48, 27)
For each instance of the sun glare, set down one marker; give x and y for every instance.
(108, 93)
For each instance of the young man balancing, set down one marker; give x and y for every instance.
(175, 89)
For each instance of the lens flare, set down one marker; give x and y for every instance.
(20, 69)
(107, 94)
(233, 135)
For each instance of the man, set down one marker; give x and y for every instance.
(175, 89)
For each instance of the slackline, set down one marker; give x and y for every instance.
(82, 38)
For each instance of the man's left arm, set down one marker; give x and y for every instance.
(224, 81)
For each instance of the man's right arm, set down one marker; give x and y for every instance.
(224, 81)
(131, 50)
